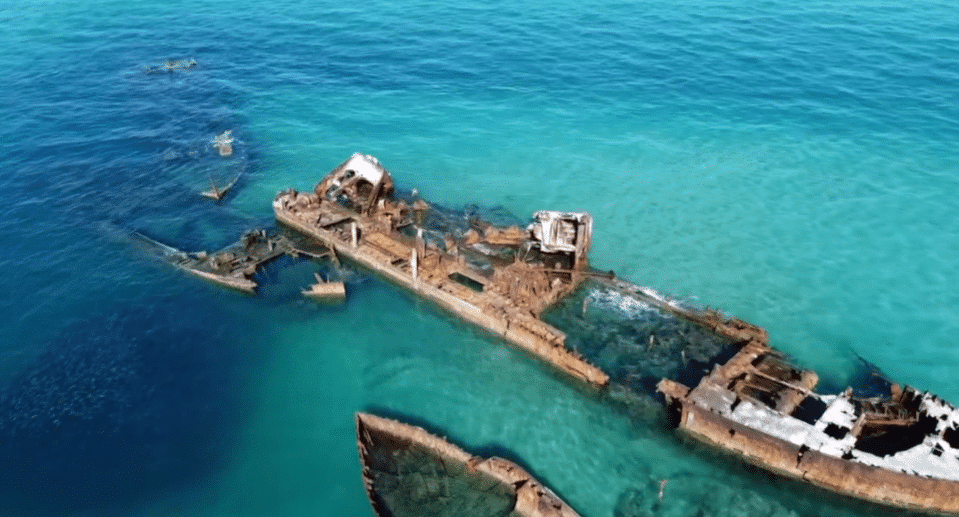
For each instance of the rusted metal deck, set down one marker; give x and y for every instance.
(361, 221)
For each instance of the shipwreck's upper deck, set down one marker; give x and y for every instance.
(499, 278)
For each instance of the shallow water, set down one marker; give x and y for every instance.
(792, 164)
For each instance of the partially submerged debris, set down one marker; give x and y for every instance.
(411, 473)
(224, 143)
(327, 291)
(217, 193)
(172, 65)
(233, 266)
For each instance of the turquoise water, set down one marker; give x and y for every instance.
(791, 163)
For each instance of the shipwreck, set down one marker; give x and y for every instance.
(409, 472)
(718, 376)
(500, 281)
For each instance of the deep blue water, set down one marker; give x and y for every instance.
(110, 412)
(791, 163)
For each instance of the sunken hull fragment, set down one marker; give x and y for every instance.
(236, 282)
(411, 473)
(234, 266)
(353, 212)
(223, 268)
(901, 451)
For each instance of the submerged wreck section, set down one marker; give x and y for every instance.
(326, 290)
(500, 279)
(172, 65)
(637, 342)
(235, 265)
(411, 473)
(901, 450)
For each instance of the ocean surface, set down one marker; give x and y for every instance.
(795, 164)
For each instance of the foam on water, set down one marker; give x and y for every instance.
(791, 163)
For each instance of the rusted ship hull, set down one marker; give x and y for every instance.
(900, 450)
(371, 240)
(865, 482)
(409, 473)
(530, 334)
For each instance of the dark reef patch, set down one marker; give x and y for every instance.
(121, 407)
